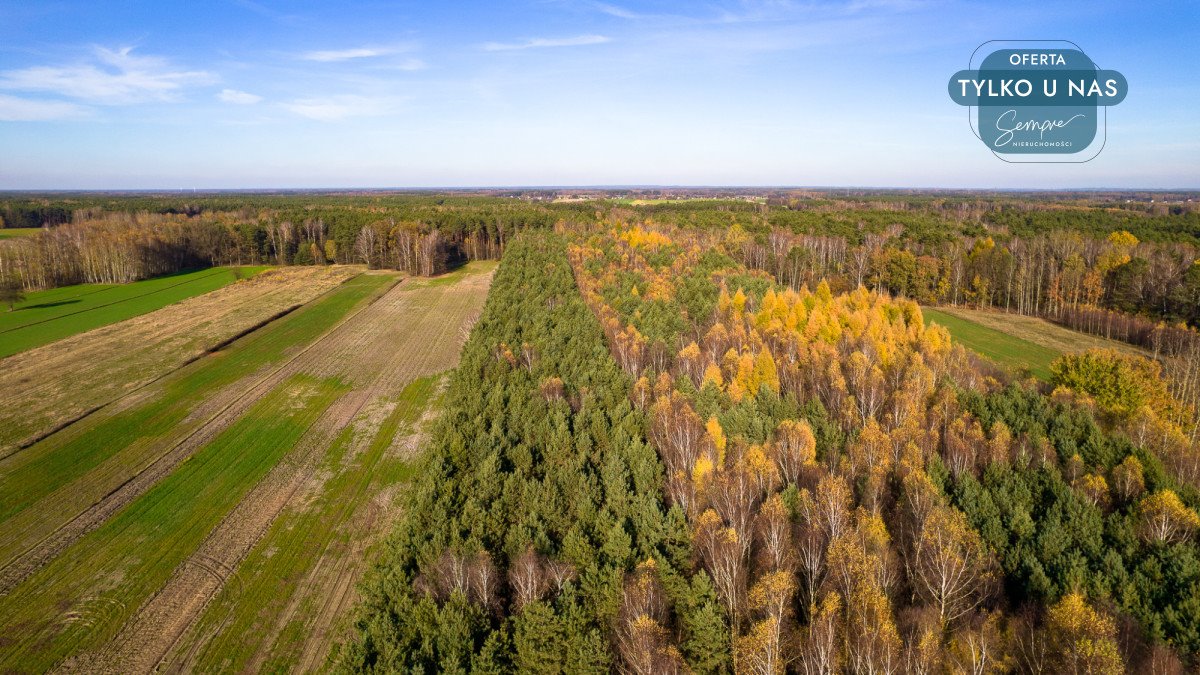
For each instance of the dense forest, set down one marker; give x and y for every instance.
(1116, 268)
(716, 434)
(1030, 256)
(103, 241)
(538, 504)
(1033, 256)
(678, 463)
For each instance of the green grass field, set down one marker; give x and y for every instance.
(294, 567)
(46, 316)
(14, 232)
(1007, 350)
(48, 483)
(82, 598)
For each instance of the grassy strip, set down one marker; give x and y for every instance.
(1041, 332)
(14, 232)
(1004, 349)
(243, 618)
(46, 316)
(70, 470)
(449, 278)
(84, 596)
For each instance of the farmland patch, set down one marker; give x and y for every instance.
(44, 389)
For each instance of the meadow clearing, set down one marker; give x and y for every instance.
(1017, 342)
(237, 492)
(1006, 350)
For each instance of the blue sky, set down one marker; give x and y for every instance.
(257, 94)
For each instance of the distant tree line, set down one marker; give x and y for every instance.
(33, 215)
(95, 245)
(1043, 257)
(1046, 275)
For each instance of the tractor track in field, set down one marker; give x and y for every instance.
(340, 596)
(170, 611)
(20, 567)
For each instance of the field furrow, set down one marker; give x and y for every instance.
(156, 626)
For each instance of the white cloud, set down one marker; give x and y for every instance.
(342, 106)
(374, 54)
(113, 77)
(886, 5)
(343, 54)
(333, 55)
(14, 109)
(577, 41)
(619, 12)
(238, 97)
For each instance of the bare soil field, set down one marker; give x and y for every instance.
(46, 388)
(267, 584)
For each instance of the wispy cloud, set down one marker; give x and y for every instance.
(365, 52)
(761, 11)
(329, 55)
(343, 106)
(535, 43)
(111, 77)
(238, 97)
(14, 109)
(615, 11)
(886, 5)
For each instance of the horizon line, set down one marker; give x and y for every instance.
(604, 187)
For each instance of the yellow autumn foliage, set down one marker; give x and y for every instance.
(712, 375)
